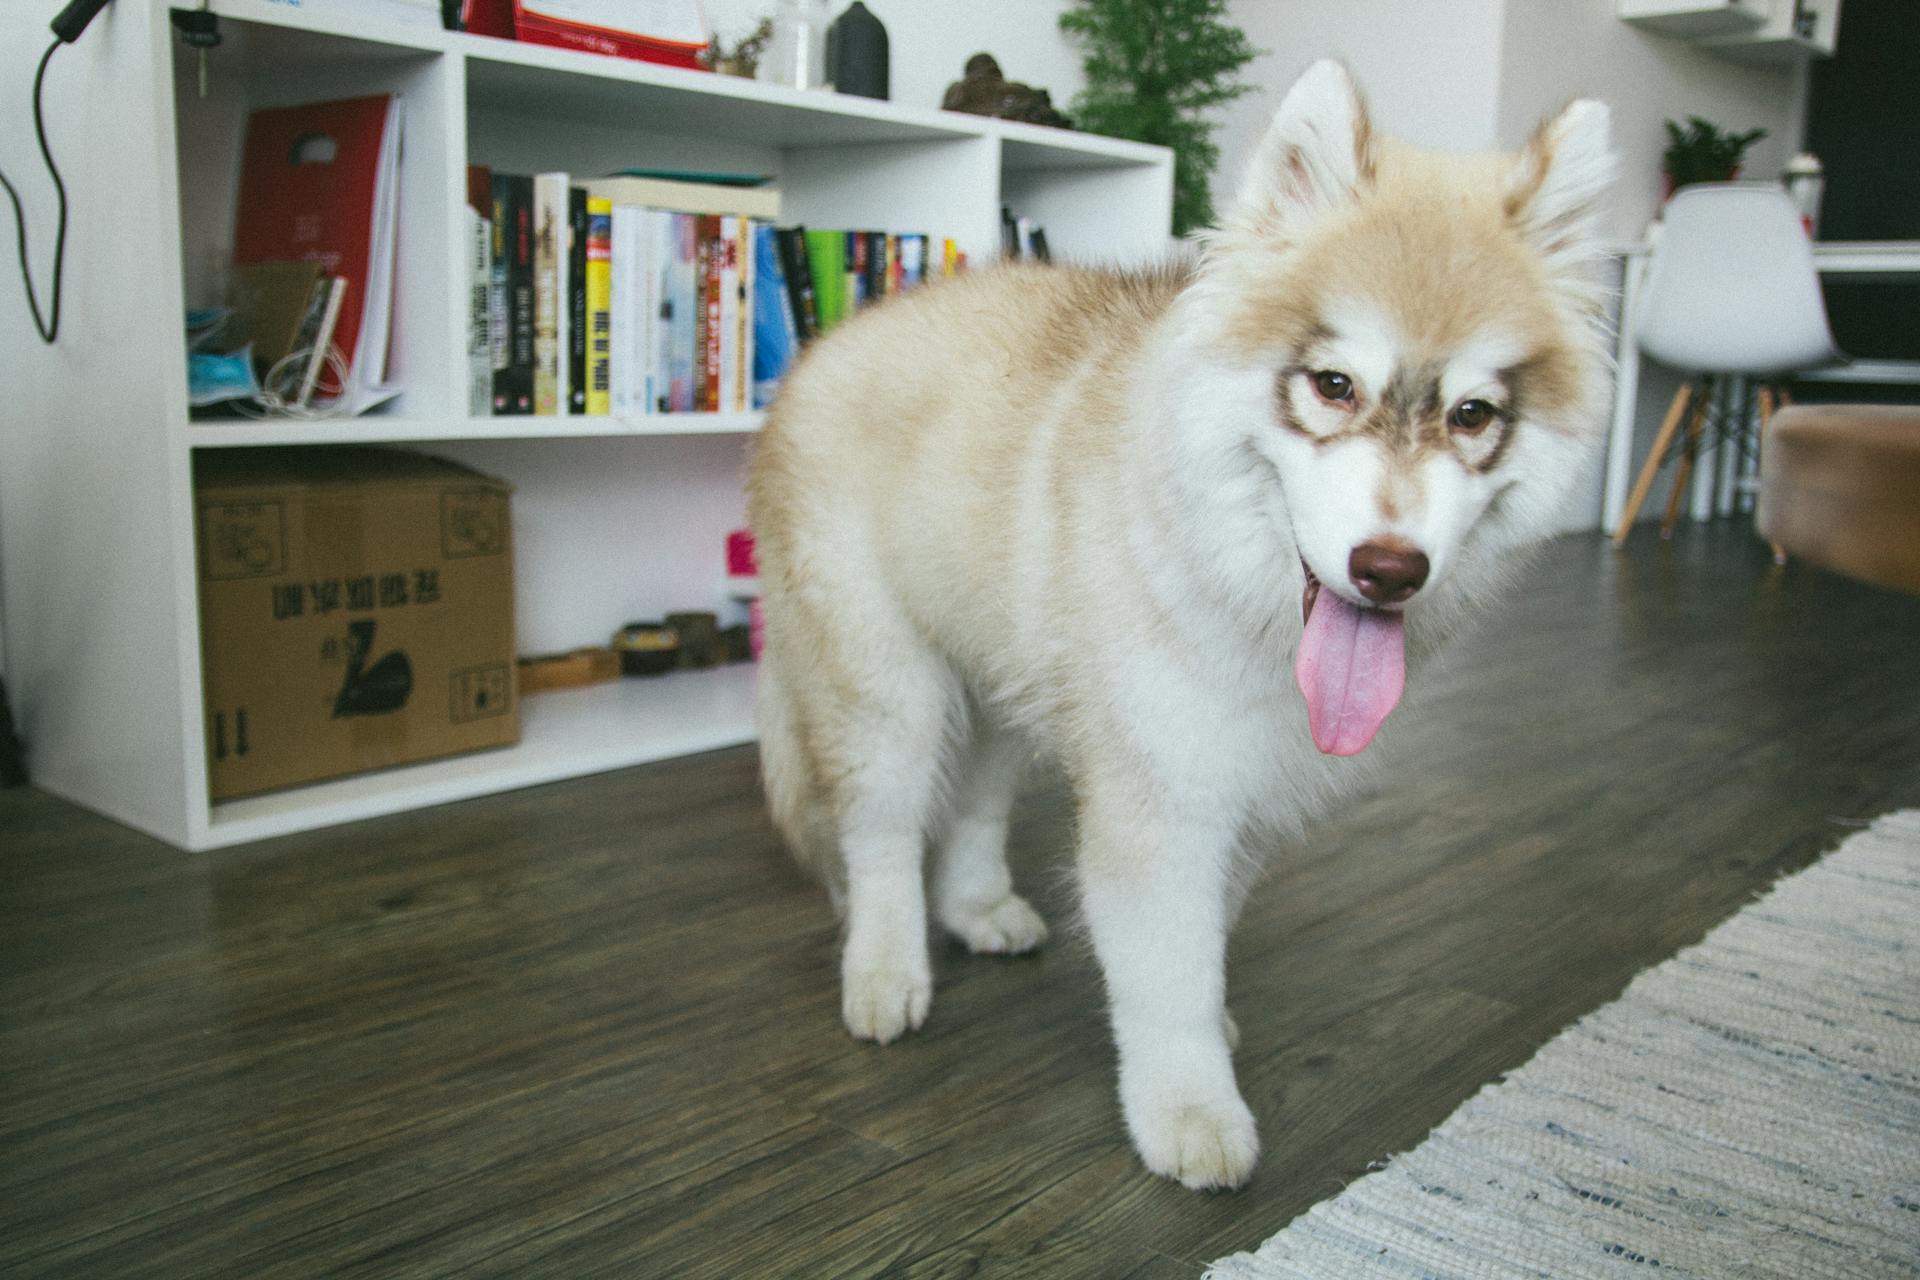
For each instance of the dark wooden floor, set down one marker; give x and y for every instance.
(591, 1029)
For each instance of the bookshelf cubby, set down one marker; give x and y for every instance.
(614, 518)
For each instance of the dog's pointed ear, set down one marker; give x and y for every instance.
(1317, 153)
(1555, 188)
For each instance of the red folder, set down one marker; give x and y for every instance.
(307, 193)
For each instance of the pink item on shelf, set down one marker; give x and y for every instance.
(740, 563)
(757, 624)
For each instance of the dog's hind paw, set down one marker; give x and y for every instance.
(1202, 1147)
(882, 1005)
(1007, 928)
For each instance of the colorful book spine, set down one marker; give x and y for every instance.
(686, 308)
(599, 307)
(658, 236)
(577, 321)
(913, 260)
(479, 311)
(726, 344)
(743, 322)
(549, 294)
(826, 256)
(513, 278)
(792, 243)
(854, 267)
(776, 329)
(623, 224)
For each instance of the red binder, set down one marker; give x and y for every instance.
(308, 183)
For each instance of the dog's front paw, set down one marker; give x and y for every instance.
(1204, 1146)
(883, 1004)
(1007, 928)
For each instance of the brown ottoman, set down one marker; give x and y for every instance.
(1840, 487)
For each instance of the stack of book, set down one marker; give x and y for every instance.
(638, 294)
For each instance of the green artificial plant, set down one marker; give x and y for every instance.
(1154, 67)
(1702, 153)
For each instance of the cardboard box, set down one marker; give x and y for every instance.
(356, 612)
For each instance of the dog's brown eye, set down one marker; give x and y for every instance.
(1333, 385)
(1471, 415)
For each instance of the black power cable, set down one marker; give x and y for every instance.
(48, 326)
(67, 26)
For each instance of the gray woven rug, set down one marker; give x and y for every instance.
(1750, 1108)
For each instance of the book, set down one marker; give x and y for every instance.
(826, 258)
(913, 260)
(853, 266)
(707, 315)
(625, 317)
(658, 241)
(685, 304)
(513, 283)
(743, 318)
(718, 179)
(549, 294)
(576, 294)
(479, 313)
(727, 382)
(776, 330)
(689, 197)
(878, 279)
(598, 308)
(792, 243)
(342, 214)
(481, 336)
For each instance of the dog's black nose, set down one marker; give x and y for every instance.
(1387, 572)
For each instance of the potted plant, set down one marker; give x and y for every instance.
(1702, 152)
(1155, 68)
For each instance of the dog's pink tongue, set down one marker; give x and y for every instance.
(1352, 667)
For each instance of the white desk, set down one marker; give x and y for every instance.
(1868, 260)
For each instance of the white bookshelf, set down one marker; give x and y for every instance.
(615, 518)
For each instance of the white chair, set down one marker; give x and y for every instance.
(1731, 292)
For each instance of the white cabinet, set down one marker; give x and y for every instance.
(1794, 31)
(1764, 31)
(1693, 19)
(614, 518)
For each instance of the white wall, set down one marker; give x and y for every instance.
(1555, 50)
(929, 42)
(1429, 71)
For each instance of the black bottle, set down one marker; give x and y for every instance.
(857, 53)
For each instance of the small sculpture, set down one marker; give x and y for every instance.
(744, 59)
(985, 92)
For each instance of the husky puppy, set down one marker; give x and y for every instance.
(1190, 531)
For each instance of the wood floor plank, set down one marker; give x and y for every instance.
(591, 1029)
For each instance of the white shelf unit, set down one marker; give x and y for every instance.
(1768, 32)
(614, 518)
(1795, 31)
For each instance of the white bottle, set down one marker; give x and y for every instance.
(797, 54)
(1806, 182)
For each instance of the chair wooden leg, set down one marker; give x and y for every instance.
(1661, 443)
(1766, 418)
(1695, 429)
